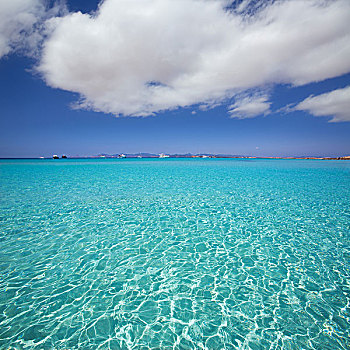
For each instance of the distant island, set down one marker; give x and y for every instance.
(189, 155)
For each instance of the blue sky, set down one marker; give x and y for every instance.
(188, 105)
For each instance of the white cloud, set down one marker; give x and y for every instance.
(21, 24)
(138, 57)
(334, 104)
(249, 106)
(17, 20)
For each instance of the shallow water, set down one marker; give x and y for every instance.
(174, 254)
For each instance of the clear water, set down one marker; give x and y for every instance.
(174, 254)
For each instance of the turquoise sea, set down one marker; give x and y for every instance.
(174, 254)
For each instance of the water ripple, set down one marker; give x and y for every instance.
(174, 254)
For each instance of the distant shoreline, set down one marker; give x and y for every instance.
(189, 157)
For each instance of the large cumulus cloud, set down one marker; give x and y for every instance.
(138, 57)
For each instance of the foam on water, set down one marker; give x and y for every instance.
(174, 254)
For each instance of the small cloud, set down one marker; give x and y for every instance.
(193, 112)
(249, 106)
(209, 105)
(257, 147)
(334, 104)
(286, 109)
